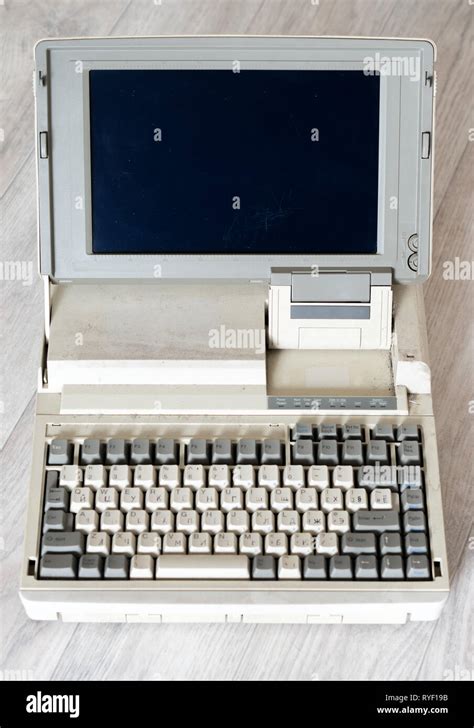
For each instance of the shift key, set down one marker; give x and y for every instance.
(376, 521)
(63, 543)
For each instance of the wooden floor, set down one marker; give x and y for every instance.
(238, 652)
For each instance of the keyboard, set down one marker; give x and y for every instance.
(328, 502)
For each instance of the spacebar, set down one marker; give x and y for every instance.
(202, 566)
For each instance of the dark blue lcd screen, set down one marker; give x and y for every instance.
(214, 162)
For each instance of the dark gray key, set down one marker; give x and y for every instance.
(92, 452)
(383, 432)
(352, 453)
(264, 567)
(63, 543)
(197, 452)
(416, 543)
(61, 452)
(140, 453)
(166, 451)
(303, 452)
(56, 498)
(366, 567)
(351, 432)
(376, 521)
(222, 452)
(272, 452)
(407, 432)
(327, 452)
(410, 476)
(326, 431)
(390, 543)
(56, 520)
(391, 567)
(418, 567)
(414, 521)
(340, 567)
(52, 479)
(409, 453)
(377, 452)
(412, 499)
(315, 567)
(247, 452)
(91, 566)
(358, 543)
(58, 566)
(116, 452)
(116, 567)
(302, 430)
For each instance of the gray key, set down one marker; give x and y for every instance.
(414, 521)
(376, 521)
(358, 543)
(61, 452)
(166, 451)
(366, 567)
(391, 567)
(247, 452)
(222, 452)
(416, 543)
(410, 476)
(407, 432)
(377, 452)
(140, 453)
(412, 499)
(303, 452)
(63, 543)
(92, 452)
(383, 432)
(340, 567)
(272, 452)
(52, 479)
(56, 520)
(302, 430)
(116, 453)
(327, 452)
(315, 567)
(352, 453)
(409, 453)
(351, 432)
(327, 431)
(197, 452)
(264, 567)
(116, 567)
(418, 567)
(56, 498)
(58, 566)
(390, 543)
(91, 566)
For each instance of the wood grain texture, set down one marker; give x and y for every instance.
(238, 652)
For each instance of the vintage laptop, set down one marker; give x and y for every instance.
(234, 417)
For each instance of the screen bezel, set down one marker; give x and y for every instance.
(66, 181)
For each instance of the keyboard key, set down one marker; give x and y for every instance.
(264, 568)
(87, 520)
(243, 476)
(412, 499)
(326, 431)
(91, 566)
(120, 477)
(318, 477)
(222, 452)
(124, 543)
(187, 522)
(340, 567)
(238, 522)
(200, 543)
(169, 476)
(313, 522)
(272, 452)
(416, 543)
(315, 567)
(116, 452)
(409, 453)
(256, 499)
(390, 543)
(358, 543)
(303, 452)
(194, 477)
(95, 476)
(219, 476)
(289, 567)
(269, 476)
(106, 499)
(294, 476)
(140, 453)
(60, 452)
(149, 543)
(58, 566)
(301, 544)
(351, 432)
(338, 521)
(92, 452)
(343, 477)
(263, 522)
(206, 499)
(383, 431)
(414, 521)
(174, 543)
(232, 498)
(251, 544)
(202, 566)
(70, 476)
(63, 543)
(225, 543)
(327, 544)
(116, 567)
(213, 521)
(377, 451)
(306, 499)
(111, 521)
(131, 499)
(366, 567)
(56, 498)
(276, 544)
(352, 452)
(145, 476)
(331, 499)
(381, 499)
(142, 566)
(327, 452)
(356, 500)
(391, 567)
(166, 452)
(302, 431)
(98, 543)
(247, 452)
(418, 567)
(410, 476)
(181, 499)
(52, 479)
(55, 520)
(197, 452)
(137, 521)
(281, 499)
(288, 522)
(408, 431)
(376, 521)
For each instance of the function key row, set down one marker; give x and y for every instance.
(354, 452)
(381, 431)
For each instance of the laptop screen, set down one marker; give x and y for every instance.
(261, 162)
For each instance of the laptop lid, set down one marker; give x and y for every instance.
(232, 157)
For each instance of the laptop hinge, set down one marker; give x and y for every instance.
(330, 309)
